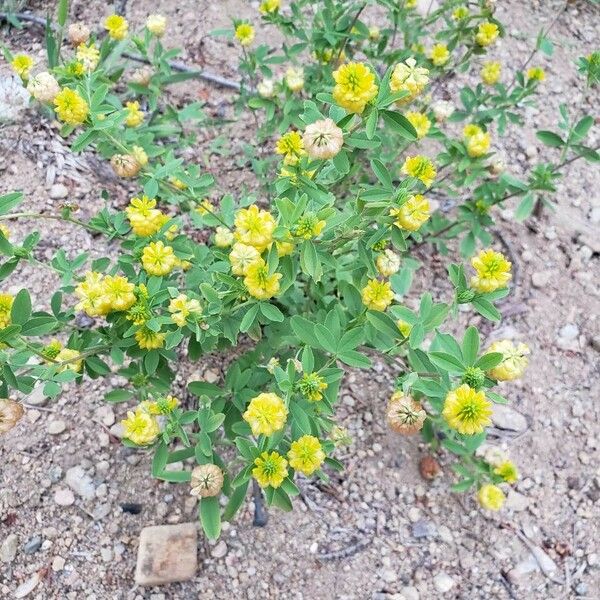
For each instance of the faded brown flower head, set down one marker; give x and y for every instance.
(207, 480)
(79, 33)
(125, 165)
(10, 413)
(429, 467)
(323, 139)
(142, 76)
(404, 414)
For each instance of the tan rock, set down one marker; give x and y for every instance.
(166, 553)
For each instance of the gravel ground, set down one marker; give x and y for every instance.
(73, 500)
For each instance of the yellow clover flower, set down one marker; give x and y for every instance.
(467, 410)
(140, 427)
(91, 293)
(490, 497)
(439, 54)
(266, 414)
(420, 122)
(536, 74)
(508, 471)
(148, 339)
(311, 386)
(309, 226)
(117, 27)
(408, 77)
(259, 283)
(306, 454)
(6, 302)
(158, 259)
(71, 357)
(241, 257)
(156, 25)
(269, 6)
(419, 167)
(459, 13)
(182, 307)
(354, 86)
(477, 142)
(254, 227)
(135, 116)
(377, 295)
(291, 146)
(493, 271)
(88, 56)
(162, 406)
(70, 107)
(143, 216)
(486, 33)
(244, 32)
(404, 327)
(223, 237)
(270, 469)
(413, 213)
(118, 292)
(490, 72)
(514, 361)
(22, 64)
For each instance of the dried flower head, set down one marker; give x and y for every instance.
(404, 414)
(10, 413)
(323, 139)
(207, 481)
(125, 165)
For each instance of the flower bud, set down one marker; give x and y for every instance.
(125, 165)
(465, 296)
(10, 413)
(474, 377)
(43, 87)
(207, 481)
(404, 414)
(156, 24)
(323, 139)
(79, 33)
(142, 76)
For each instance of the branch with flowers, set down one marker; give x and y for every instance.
(307, 284)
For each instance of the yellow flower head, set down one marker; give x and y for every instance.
(374, 33)
(490, 497)
(266, 414)
(140, 156)
(158, 259)
(420, 122)
(306, 454)
(311, 386)
(508, 471)
(70, 107)
(269, 6)
(291, 146)
(241, 257)
(259, 283)
(52, 349)
(88, 56)
(413, 213)
(514, 361)
(467, 410)
(156, 25)
(536, 74)
(490, 72)
(6, 302)
(182, 307)
(387, 263)
(148, 339)
(420, 167)
(118, 292)
(486, 33)
(404, 327)
(408, 77)
(117, 27)
(22, 64)
(162, 406)
(410, 4)
(309, 226)
(493, 271)
(270, 469)
(254, 227)
(223, 237)
(143, 216)
(459, 13)
(135, 116)
(478, 144)
(294, 79)
(71, 357)
(91, 293)
(244, 32)
(354, 86)
(439, 54)
(377, 295)
(140, 427)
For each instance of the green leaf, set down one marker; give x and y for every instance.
(382, 173)
(235, 500)
(21, 308)
(355, 359)
(309, 261)
(249, 317)
(470, 345)
(486, 309)
(447, 362)
(400, 124)
(525, 207)
(210, 517)
(204, 388)
(583, 126)
(489, 361)
(463, 485)
(118, 396)
(9, 201)
(39, 326)
(383, 323)
(159, 461)
(550, 138)
(63, 12)
(271, 312)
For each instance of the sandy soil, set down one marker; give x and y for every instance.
(378, 530)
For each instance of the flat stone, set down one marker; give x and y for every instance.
(58, 564)
(410, 592)
(33, 544)
(546, 564)
(80, 482)
(64, 497)
(521, 571)
(166, 553)
(540, 279)
(8, 549)
(220, 550)
(423, 529)
(58, 191)
(505, 417)
(443, 582)
(28, 586)
(56, 427)
(37, 398)
(516, 501)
